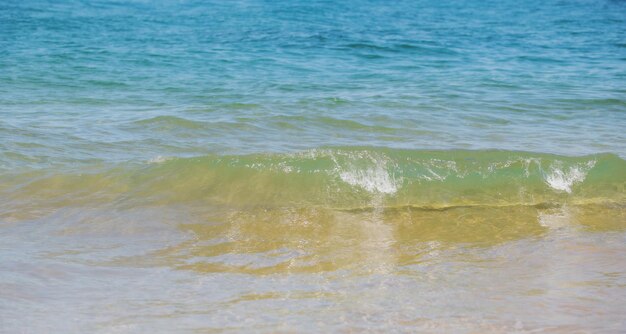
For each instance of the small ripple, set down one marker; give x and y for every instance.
(170, 122)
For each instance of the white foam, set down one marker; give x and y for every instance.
(563, 179)
(159, 159)
(374, 180)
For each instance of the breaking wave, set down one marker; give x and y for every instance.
(345, 178)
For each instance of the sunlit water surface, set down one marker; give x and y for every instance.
(312, 166)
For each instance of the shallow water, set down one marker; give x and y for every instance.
(187, 166)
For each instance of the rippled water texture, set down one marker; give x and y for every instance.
(312, 166)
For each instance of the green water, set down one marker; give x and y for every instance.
(338, 178)
(312, 166)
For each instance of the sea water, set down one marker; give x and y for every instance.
(312, 166)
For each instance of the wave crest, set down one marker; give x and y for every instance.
(563, 179)
(347, 177)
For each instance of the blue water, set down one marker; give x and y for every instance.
(312, 166)
(112, 81)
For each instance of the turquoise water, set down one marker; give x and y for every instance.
(106, 81)
(312, 166)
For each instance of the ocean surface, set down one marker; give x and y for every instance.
(312, 166)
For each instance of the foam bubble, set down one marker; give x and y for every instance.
(159, 159)
(374, 180)
(563, 179)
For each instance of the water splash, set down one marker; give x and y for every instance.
(375, 179)
(563, 179)
(159, 159)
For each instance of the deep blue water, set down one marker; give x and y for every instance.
(93, 81)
